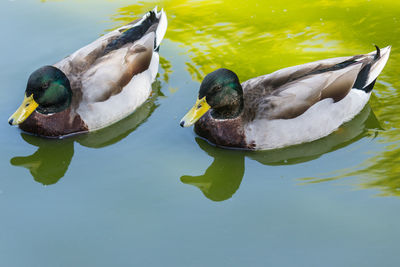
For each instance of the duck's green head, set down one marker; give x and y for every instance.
(220, 91)
(48, 91)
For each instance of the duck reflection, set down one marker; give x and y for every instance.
(51, 160)
(223, 177)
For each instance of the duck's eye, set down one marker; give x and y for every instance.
(45, 85)
(216, 89)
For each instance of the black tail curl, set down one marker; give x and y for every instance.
(378, 52)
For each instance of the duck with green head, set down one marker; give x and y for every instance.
(48, 91)
(290, 106)
(97, 85)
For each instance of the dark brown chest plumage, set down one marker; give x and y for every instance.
(54, 125)
(227, 133)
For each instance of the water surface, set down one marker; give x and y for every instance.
(145, 192)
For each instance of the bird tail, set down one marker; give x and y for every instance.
(153, 21)
(368, 74)
(381, 57)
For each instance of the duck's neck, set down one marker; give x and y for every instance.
(59, 107)
(229, 112)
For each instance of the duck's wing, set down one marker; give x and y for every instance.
(289, 92)
(112, 72)
(293, 98)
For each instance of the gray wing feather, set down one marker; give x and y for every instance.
(83, 58)
(289, 92)
(111, 73)
(283, 76)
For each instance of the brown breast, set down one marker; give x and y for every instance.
(54, 125)
(227, 133)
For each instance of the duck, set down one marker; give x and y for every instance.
(290, 106)
(96, 86)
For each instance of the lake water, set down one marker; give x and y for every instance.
(145, 192)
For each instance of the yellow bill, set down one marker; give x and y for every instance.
(197, 111)
(27, 107)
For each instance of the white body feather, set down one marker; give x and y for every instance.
(318, 121)
(162, 26)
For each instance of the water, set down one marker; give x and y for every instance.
(145, 192)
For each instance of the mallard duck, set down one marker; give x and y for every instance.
(97, 85)
(290, 106)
